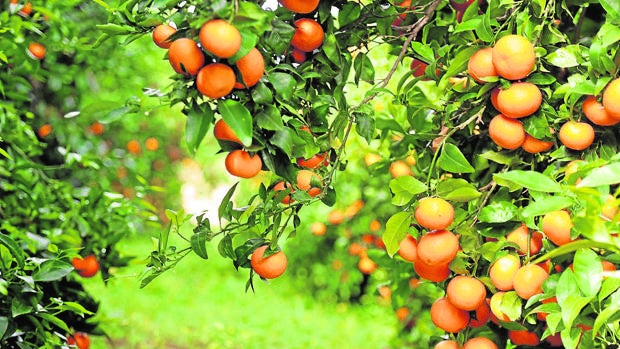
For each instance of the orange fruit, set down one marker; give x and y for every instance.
(86, 267)
(519, 100)
(151, 144)
(521, 236)
(215, 80)
(448, 317)
(26, 10)
(36, 51)
(299, 56)
(555, 340)
(556, 226)
(79, 340)
(596, 113)
(220, 38)
(528, 280)
(374, 226)
(608, 266)
(506, 132)
(314, 161)
(185, 56)
(269, 267)
(513, 57)
(306, 180)
(161, 35)
(466, 292)
(438, 247)
(402, 313)
(611, 98)
(400, 168)
(308, 35)
(300, 6)
(610, 207)
(503, 270)
(133, 146)
(483, 314)
(385, 292)
(223, 132)
(242, 164)
(434, 273)
(434, 213)
(447, 344)
(366, 265)
(96, 128)
(494, 304)
(417, 67)
(318, 228)
(523, 337)
(251, 67)
(44, 130)
(479, 343)
(480, 65)
(355, 249)
(534, 145)
(408, 248)
(354, 208)
(335, 217)
(281, 186)
(576, 135)
(371, 159)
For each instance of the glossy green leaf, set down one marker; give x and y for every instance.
(283, 83)
(199, 244)
(546, 204)
(588, 271)
(226, 204)
(405, 188)
(604, 175)
(395, 231)
(14, 249)
(196, 126)
(528, 179)
(51, 270)
(238, 117)
(605, 317)
(270, 119)
(453, 160)
(498, 212)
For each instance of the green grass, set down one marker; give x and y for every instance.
(202, 304)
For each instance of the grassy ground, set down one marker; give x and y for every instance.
(202, 304)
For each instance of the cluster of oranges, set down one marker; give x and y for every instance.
(308, 33)
(513, 58)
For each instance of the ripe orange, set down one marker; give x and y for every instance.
(506, 132)
(355, 249)
(556, 226)
(185, 56)
(434, 273)
(514, 57)
(335, 217)
(434, 213)
(220, 38)
(447, 344)
(26, 10)
(438, 247)
(385, 292)
(479, 343)
(480, 65)
(576, 135)
(523, 337)
(161, 35)
(493, 97)
(534, 145)
(223, 132)
(400, 168)
(555, 340)
(281, 186)
(133, 146)
(151, 144)
(354, 208)
(494, 304)
(611, 98)
(79, 339)
(366, 265)
(86, 267)
(308, 35)
(417, 67)
(251, 67)
(448, 317)
(242, 164)
(371, 159)
(503, 270)
(36, 51)
(313, 162)
(299, 56)
(318, 228)
(483, 314)
(610, 207)
(528, 280)
(300, 6)
(520, 236)
(215, 80)
(374, 226)
(96, 128)
(519, 100)
(596, 113)
(268, 267)
(306, 180)
(408, 248)
(44, 130)
(402, 313)
(466, 292)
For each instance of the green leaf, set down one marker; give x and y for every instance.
(51, 270)
(238, 117)
(54, 320)
(349, 13)
(284, 85)
(223, 208)
(115, 29)
(196, 126)
(199, 244)
(604, 317)
(528, 179)
(365, 126)
(498, 212)
(546, 204)
(405, 188)
(115, 114)
(270, 119)
(395, 231)
(452, 160)
(76, 308)
(16, 251)
(457, 189)
(565, 57)
(364, 70)
(511, 305)
(604, 175)
(588, 271)
(331, 49)
(4, 325)
(571, 307)
(612, 7)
